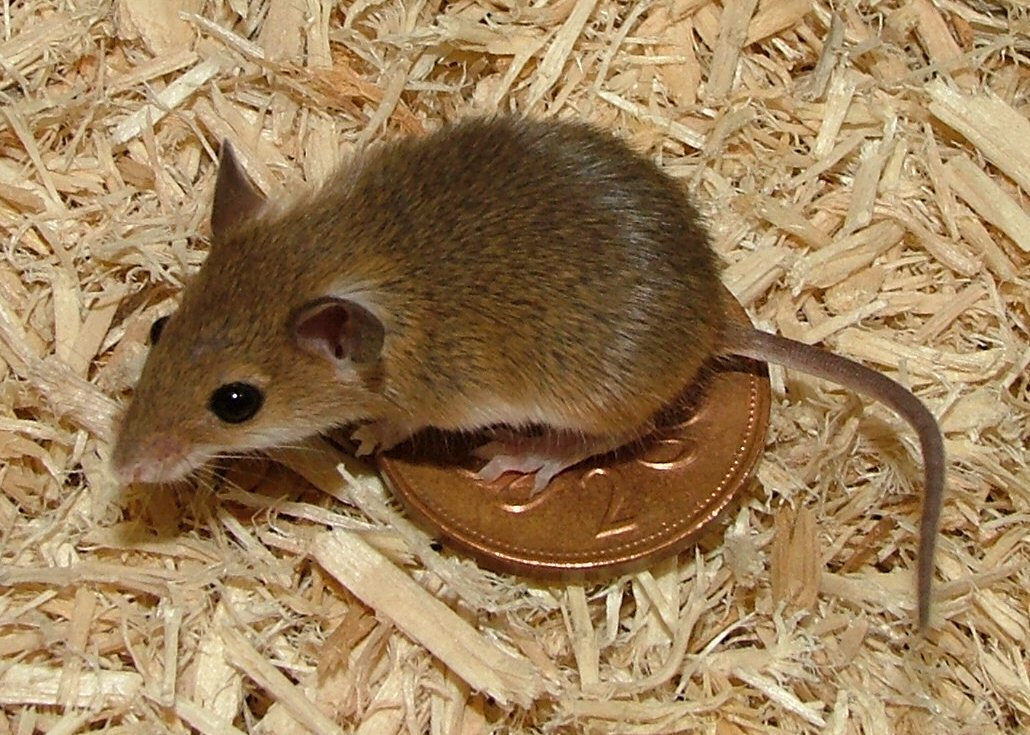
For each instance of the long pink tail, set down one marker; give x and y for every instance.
(822, 364)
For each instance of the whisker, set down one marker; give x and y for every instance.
(207, 477)
(228, 482)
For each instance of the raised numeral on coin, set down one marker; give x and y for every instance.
(619, 513)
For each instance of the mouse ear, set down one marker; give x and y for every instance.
(338, 329)
(236, 199)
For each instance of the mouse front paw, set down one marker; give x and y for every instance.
(381, 435)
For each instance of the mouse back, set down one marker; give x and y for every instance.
(548, 274)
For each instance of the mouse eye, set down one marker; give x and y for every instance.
(234, 403)
(156, 328)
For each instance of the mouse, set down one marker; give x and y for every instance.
(537, 275)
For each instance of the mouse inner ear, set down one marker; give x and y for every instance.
(236, 200)
(338, 329)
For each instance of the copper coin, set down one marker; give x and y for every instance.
(610, 514)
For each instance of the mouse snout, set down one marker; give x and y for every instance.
(160, 458)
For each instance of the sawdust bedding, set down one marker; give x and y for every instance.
(865, 168)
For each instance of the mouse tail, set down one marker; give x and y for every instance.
(766, 347)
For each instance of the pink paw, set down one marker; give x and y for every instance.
(381, 435)
(501, 460)
(545, 456)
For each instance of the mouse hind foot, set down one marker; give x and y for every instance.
(543, 456)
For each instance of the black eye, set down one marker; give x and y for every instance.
(234, 403)
(156, 328)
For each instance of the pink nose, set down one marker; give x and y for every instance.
(161, 458)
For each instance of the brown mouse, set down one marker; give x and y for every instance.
(500, 271)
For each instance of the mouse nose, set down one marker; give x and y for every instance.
(160, 459)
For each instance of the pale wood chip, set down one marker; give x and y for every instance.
(37, 684)
(216, 687)
(205, 721)
(584, 638)
(387, 707)
(21, 50)
(282, 34)
(151, 69)
(774, 16)
(777, 693)
(170, 98)
(242, 654)
(823, 72)
(974, 232)
(951, 253)
(834, 263)
(989, 200)
(247, 49)
(17, 124)
(795, 558)
(666, 609)
(838, 103)
(733, 34)
(383, 587)
(990, 124)
(963, 301)
(834, 324)
(676, 130)
(22, 198)
(158, 23)
(557, 53)
(681, 78)
(941, 46)
(921, 361)
(790, 220)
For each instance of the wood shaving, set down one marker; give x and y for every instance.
(865, 171)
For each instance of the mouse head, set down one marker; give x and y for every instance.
(260, 353)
